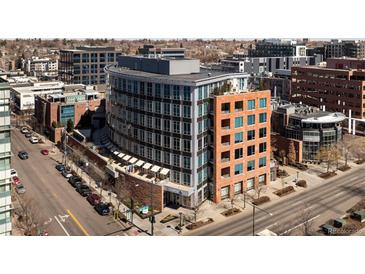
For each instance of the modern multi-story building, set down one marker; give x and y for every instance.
(276, 48)
(305, 128)
(263, 65)
(41, 67)
(152, 51)
(174, 116)
(338, 89)
(350, 48)
(23, 96)
(279, 83)
(85, 65)
(5, 154)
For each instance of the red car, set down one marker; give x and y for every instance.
(16, 180)
(93, 199)
(44, 151)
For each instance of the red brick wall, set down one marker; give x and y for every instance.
(280, 143)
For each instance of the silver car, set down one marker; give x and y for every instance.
(20, 188)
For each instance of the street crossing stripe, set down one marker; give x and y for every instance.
(64, 229)
(78, 223)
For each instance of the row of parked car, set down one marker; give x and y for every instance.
(30, 135)
(18, 186)
(84, 190)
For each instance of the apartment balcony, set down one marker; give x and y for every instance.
(225, 160)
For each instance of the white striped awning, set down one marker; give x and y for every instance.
(133, 160)
(164, 171)
(147, 166)
(140, 163)
(116, 152)
(155, 168)
(120, 155)
(126, 157)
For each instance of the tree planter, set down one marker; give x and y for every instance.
(344, 168)
(327, 175)
(261, 200)
(230, 212)
(359, 162)
(285, 191)
(199, 224)
(302, 183)
(168, 218)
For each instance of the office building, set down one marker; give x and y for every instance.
(259, 66)
(338, 86)
(338, 48)
(85, 65)
(302, 130)
(276, 48)
(152, 51)
(44, 68)
(5, 155)
(171, 115)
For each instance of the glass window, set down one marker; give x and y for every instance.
(157, 90)
(166, 91)
(262, 102)
(251, 104)
(262, 147)
(251, 135)
(238, 187)
(187, 112)
(263, 117)
(186, 93)
(262, 162)
(176, 92)
(250, 165)
(166, 108)
(238, 169)
(250, 150)
(251, 119)
(238, 122)
(238, 106)
(262, 132)
(238, 153)
(238, 137)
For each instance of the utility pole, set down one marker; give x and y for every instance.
(254, 213)
(152, 213)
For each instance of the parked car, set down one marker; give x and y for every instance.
(13, 173)
(73, 180)
(28, 134)
(93, 199)
(23, 155)
(24, 130)
(33, 140)
(83, 189)
(20, 188)
(60, 167)
(45, 151)
(15, 180)
(66, 173)
(102, 209)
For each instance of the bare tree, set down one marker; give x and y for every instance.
(306, 217)
(327, 155)
(291, 153)
(260, 189)
(28, 216)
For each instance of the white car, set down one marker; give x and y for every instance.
(13, 173)
(24, 130)
(33, 140)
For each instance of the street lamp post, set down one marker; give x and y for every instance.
(152, 215)
(254, 213)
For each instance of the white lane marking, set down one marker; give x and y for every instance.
(339, 193)
(64, 229)
(63, 218)
(287, 231)
(274, 224)
(47, 222)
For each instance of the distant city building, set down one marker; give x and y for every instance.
(41, 67)
(85, 65)
(351, 48)
(5, 150)
(339, 86)
(263, 65)
(279, 83)
(303, 130)
(152, 51)
(276, 48)
(201, 132)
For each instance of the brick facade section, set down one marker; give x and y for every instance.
(219, 148)
(281, 144)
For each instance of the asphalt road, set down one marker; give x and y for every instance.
(329, 200)
(62, 210)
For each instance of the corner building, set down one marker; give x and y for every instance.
(164, 112)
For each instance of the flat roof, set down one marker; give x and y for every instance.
(203, 75)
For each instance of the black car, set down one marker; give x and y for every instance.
(23, 155)
(74, 180)
(60, 167)
(28, 134)
(102, 209)
(84, 190)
